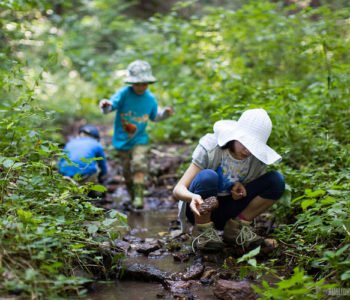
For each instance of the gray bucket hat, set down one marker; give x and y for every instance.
(140, 71)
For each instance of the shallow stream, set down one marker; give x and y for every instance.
(148, 224)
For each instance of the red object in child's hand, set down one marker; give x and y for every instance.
(130, 128)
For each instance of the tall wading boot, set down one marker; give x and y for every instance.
(130, 188)
(138, 191)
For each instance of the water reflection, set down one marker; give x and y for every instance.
(135, 290)
(130, 290)
(150, 223)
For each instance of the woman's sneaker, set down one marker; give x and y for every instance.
(206, 238)
(240, 232)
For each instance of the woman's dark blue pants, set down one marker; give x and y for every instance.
(270, 186)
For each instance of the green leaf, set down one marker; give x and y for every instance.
(98, 188)
(77, 246)
(123, 218)
(25, 216)
(252, 262)
(316, 221)
(52, 267)
(9, 125)
(298, 277)
(249, 255)
(342, 250)
(299, 291)
(30, 274)
(345, 276)
(92, 228)
(108, 222)
(298, 198)
(314, 194)
(306, 203)
(17, 165)
(8, 163)
(328, 200)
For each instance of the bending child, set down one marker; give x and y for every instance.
(79, 150)
(231, 166)
(134, 106)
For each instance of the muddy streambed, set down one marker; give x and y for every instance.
(158, 259)
(159, 263)
(148, 225)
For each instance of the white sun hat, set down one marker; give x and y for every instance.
(139, 71)
(252, 130)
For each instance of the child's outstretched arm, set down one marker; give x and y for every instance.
(164, 113)
(105, 106)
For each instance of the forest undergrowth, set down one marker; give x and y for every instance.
(293, 61)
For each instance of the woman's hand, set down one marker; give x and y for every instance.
(196, 202)
(238, 191)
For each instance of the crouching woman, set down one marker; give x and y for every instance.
(230, 165)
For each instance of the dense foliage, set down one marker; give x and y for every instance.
(59, 59)
(51, 235)
(48, 227)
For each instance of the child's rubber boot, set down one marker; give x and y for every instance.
(138, 196)
(130, 189)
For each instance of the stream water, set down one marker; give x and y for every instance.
(134, 290)
(153, 224)
(148, 224)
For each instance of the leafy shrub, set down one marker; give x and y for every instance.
(299, 285)
(48, 227)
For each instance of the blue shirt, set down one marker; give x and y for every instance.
(86, 148)
(133, 113)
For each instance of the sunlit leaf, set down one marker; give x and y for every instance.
(249, 255)
(314, 194)
(8, 163)
(98, 188)
(307, 203)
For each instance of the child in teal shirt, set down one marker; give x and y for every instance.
(134, 106)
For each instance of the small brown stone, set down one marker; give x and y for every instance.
(234, 290)
(193, 272)
(208, 273)
(208, 205)
(122, 245)
(147, 248)
(181, 257)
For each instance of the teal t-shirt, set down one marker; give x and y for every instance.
(132, 114)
